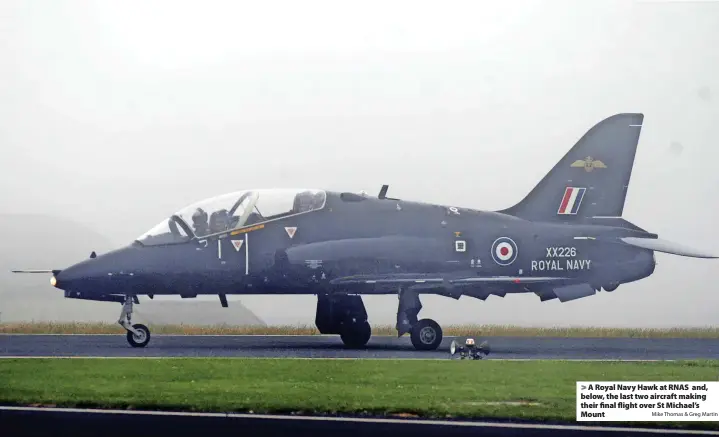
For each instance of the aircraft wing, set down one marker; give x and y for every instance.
(409, 279)
(34, 271)
(397, 279)
(480, 287)
(476, 286)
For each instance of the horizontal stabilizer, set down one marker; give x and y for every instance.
(659, 245)
(33, 271)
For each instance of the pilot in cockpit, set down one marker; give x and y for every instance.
(304, 201)
(219, 221)
(200, 222)
(318, 200)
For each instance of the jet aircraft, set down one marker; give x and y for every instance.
(565, 240)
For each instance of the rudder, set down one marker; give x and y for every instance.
(592, 179)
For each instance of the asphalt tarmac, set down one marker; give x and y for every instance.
(321, 346)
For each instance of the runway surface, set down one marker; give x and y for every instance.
(321, 346)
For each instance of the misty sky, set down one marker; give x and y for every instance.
(116, 114)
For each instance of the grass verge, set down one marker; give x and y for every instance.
(450, 330)
(539, 390)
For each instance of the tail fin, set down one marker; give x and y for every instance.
(591, 180)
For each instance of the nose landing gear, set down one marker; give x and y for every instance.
(138, 335)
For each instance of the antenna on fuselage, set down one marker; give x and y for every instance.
(383, 193)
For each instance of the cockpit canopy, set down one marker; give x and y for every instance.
(231, 211)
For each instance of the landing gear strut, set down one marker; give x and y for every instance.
(426, 334)
(138, 335)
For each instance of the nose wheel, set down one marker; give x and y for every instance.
(138, 335)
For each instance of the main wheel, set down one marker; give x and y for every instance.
(356, 335)
(140, 340)
(426, 335)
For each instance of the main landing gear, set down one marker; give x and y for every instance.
(425, 334)
(346, 315)
(138, 335)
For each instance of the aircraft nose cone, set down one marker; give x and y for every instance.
(91, 274)
(65, 279)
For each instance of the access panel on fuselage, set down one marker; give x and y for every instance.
(265, 245)
(224, 259)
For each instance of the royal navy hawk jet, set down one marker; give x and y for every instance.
(565, 240)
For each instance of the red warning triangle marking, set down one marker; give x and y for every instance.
(291, 231)
(237, 244)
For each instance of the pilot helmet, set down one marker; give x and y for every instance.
(469, 342)
(199, 214)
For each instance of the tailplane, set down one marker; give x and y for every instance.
(591, 180)
(665, 246)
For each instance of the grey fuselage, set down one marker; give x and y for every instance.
(368, 245)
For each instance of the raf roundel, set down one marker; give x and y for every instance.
(504, 251)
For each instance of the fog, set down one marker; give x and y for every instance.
(116, 114)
